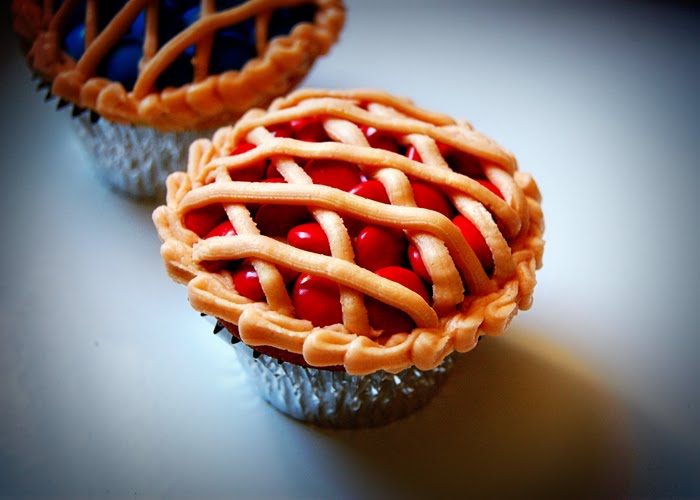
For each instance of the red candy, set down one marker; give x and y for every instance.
(309, 130)
(202, 220)
(317, 300)
(491, 187)
(387, 318)
(334, 173)
(281, 130)
(372, 190)
(380, 140)
(417, 264)
(412, 154)
(427, 196)
(378, 247)
(354, 226)
(253, 207)
(475, 240)
(247, 283)
(272, 174)
(309, 237)
(253, 173)
(278, 220)
(465, 164)
(223, 229)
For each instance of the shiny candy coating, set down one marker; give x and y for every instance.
(389, 319)
(378, 247)
(338, 174)
(475, 240)
(310, 237)
(317, 299)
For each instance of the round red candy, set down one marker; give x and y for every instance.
(309, 237)
(223, 229)
(390, 319)
(379, 246)
(334, 173)
(253, 173)
(309, 130)
(278, 220)
(412, 154)
(491, 187)
(475, 240)
(427, 196)
(465, 164)
(281, 130)
(202, 220)
(380, 140)
(317, 299)
(417, 264)
(247, 283)
(372, 190)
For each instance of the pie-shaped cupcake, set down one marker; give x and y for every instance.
(353, 230)
(175, 65)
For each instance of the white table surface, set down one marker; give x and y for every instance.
(112, 386)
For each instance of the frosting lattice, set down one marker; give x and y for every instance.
(470, 223)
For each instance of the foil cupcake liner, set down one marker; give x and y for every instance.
(134, 160)
(334, 398)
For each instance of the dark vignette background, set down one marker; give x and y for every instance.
(111, 386)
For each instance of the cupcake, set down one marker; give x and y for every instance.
(351, 243)
(154, 75)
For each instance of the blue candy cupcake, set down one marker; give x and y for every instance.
(147, 77)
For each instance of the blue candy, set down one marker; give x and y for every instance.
(138, 28)
(233, 47)
(190, 16)
(121, 64)
(244, 30)
(74, 43)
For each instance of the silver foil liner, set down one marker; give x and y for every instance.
(334, 398)
(134, 160)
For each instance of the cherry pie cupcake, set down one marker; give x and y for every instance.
(147, 77)
(350, 243)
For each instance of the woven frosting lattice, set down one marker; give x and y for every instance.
(208, 100)
(467, 300)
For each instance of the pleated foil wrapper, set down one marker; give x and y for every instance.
(336, 399)
(134, 160)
